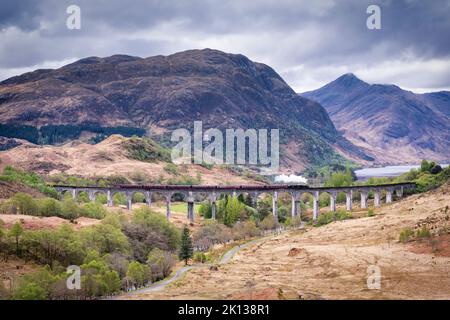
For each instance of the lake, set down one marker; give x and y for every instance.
(387, 171)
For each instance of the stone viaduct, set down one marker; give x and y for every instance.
(212, 193)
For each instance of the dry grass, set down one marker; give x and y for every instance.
(104, 159)
(332, 260)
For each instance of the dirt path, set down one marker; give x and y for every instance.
(331, 262)
(179, 273)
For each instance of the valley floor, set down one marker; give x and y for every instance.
(331, 262)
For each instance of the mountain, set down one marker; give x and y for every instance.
(393, 125)
(162, 93)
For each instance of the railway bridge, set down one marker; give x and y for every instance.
(192, 193)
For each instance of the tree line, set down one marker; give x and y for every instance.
(53, 134)
(117, 254)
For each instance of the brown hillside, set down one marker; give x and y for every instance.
(106, 158)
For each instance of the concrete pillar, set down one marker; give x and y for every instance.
(315, 205)
(333, 196)
(148, 198)
(388, 196)
(363, 199)
(129, 201)
(275, 204)
(295, 204)
(348, 198)
(74, 194)
(377, 198)
(91, 195)
(294, 207)
(109, 199)
(213, 210)
(191, 211)
(298, 205)
(234, 194)
(168, 207)
(399, 192)
(255, 200)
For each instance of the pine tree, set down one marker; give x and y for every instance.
(186, 250)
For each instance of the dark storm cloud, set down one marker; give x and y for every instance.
(309, 43)
(22, 14)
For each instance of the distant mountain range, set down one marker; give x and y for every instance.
(392, 125)
(161, 93)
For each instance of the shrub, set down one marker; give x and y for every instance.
(333, 216)
(423, 233)
(264, 207)
(29, 291)
(148, 230)
(98, 280)
(171, 168)
(340, 179)
(244, 229)
(161, 263)
(343, 215)
(230, 210)
(293, 221)
(47, 246)
(210, 234)
(138, 197)
(282, 214)
(83, 197)
(405, 235)
(8, 207)
(370, 213)
(325, 218)
(119, 199)
(101, 198)
(94, 210)
(324, 200)
(70, 209)
(199, 257)
(208, 166)
(105, 238)
(204, 209)
(25, 204)
(137, 273)
(49, 207)
(268, 223)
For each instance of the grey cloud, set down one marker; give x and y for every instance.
(21, 14)
(320, 38)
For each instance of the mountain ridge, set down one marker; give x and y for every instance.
(391, 124)
(161, 93)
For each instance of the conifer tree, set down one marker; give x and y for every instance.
(186, 250)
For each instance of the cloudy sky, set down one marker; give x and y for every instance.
(308, 42)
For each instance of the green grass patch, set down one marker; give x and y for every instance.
(331, 216)
(182, 207)
(423, 233)
(406, 235)
(29, 179)
(145, 149)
